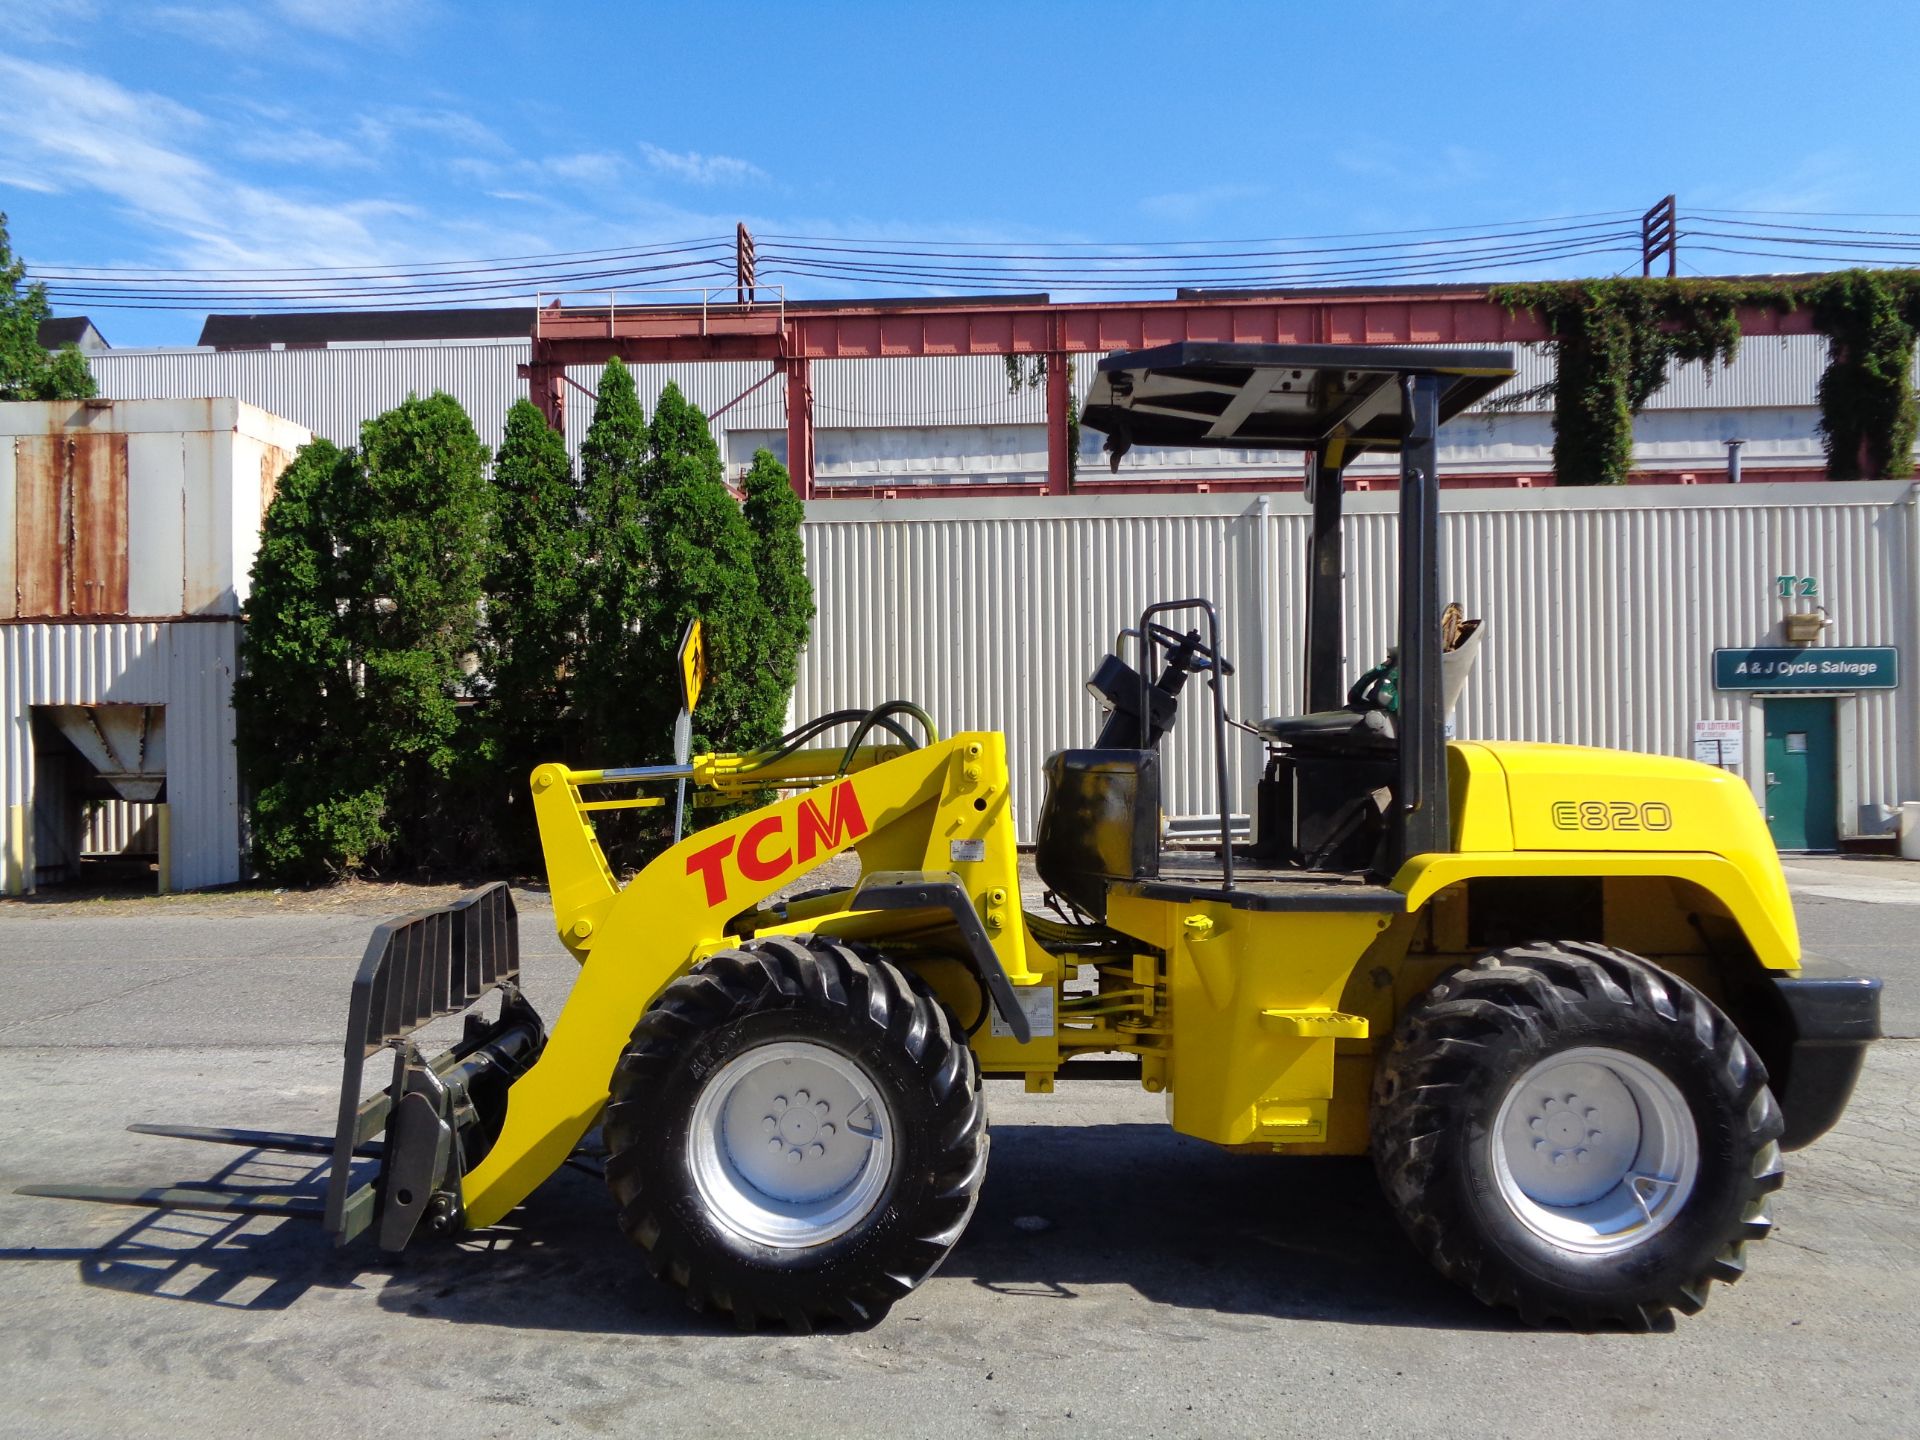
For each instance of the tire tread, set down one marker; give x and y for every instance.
(1526, 992)
(865, 993)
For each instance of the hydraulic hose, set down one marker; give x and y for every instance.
(878, 716)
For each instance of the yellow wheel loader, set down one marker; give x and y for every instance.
(1556, 993)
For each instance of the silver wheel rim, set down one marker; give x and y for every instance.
(1595, 1150)
(791, 1144)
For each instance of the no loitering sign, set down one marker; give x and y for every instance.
(1836, 667)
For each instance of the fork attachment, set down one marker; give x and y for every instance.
(438, 1116)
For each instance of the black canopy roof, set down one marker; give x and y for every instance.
(1277, 397)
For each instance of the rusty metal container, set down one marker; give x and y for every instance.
(128, 529)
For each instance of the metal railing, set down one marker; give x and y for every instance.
(711, 301)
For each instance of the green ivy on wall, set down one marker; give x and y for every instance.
(1613, 341)
(1867, 414)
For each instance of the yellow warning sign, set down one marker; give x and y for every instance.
(693, 665)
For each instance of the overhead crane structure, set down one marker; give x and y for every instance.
(760, 324)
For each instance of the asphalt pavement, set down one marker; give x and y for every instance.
(1116, 1279)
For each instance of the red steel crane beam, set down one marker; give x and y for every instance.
(794, 335)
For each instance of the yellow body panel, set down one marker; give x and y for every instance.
(1564, 810)
(1245, 1016)
(1254, 998)
(941, 808)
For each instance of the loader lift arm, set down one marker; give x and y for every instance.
(931, 825)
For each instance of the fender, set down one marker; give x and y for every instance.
(1776, 944)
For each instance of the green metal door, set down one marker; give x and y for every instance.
(1802, 774)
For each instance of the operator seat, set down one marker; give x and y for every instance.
(1346, 731)
(1368, 724)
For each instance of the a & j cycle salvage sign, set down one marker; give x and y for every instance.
(1854, 667)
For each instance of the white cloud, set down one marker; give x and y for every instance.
(350, 19)
(226, 27)
(75, 131)
(301, 147)
(45, 22)
(388, 126)
(189, 185)
(243, 27)
(20, 181)
(698, 169)
(593, 168)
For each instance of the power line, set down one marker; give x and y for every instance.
(1825, 214)
(429, 267)
(860, 249)
(1119, 268)
(1081, 267)
(520, 286)
(1266, 240)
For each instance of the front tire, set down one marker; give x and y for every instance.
(1569, 1132)
(796, 1133)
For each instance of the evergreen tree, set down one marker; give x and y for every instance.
(701, 552)
(363, 621)
(773, 513)
(27, 370)
(420, 557)
(535, 622)
(296, 695)
(615, 573)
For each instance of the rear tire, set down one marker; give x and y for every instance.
(1569, 1132)
(796, 1133)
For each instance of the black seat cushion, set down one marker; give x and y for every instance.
(1346, 731)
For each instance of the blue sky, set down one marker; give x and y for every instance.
(355, 132)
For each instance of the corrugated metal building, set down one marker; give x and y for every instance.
(909, 421)
(1603, 609)
(130, 528)
(127, 532)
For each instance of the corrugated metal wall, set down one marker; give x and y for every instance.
(1780, 371)
(332, 391)
(1603, 609)
(118, 827)
(1769, 388)
(186, 666)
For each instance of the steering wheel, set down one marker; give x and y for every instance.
(1187, 651)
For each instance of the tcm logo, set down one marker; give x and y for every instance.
(766, 851)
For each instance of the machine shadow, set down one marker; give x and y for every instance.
(1065, 1209)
